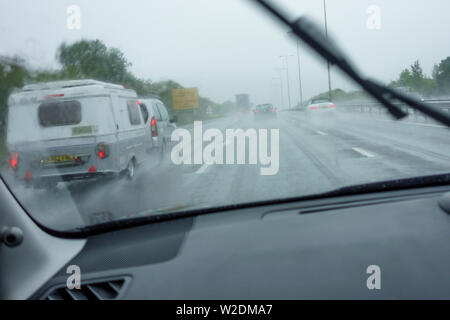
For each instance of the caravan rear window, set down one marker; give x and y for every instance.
(61, 113)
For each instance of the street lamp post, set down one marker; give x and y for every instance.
(326, 35)
(299, 73)
(299, 70)
(281, 90)
(287, 77)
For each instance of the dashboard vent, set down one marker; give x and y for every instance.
(90, 290)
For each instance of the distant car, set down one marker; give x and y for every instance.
(264, 111)
(320, 106)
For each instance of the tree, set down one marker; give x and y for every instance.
(415, 79)
(13, 74)
(442, 76)
(163, 90)
(92, 59)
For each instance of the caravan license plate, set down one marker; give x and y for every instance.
(60, 158)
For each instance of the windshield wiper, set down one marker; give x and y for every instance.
(315, 38)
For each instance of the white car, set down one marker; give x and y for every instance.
(320, 107)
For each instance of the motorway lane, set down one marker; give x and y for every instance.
(316, 155)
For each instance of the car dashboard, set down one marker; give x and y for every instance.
(314, 249)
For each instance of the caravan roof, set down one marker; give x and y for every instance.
(65, 89)
(69, 84)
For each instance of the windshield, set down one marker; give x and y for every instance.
(112, 111)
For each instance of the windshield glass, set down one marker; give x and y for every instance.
(113, 111)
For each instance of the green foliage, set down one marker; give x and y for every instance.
(163, 90)
(13, 74)
(92, 59)
(442, 75)
(415, 79)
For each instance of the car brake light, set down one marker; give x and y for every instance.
(332, 106)
(256, 110)
(92, 168)
(154, 127)
(313, 108)
(273, 109)
(13, 161)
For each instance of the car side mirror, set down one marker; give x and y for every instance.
(174, 119)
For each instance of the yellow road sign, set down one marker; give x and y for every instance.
(185, 99)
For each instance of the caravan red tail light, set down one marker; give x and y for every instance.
(14, 160)
(154, 127)
(102, 150)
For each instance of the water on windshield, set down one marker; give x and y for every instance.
(115, 111)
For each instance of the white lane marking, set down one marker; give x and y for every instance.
(202, 169)
(363, 152)
(413, 123)
(321, 133)
(205, 166)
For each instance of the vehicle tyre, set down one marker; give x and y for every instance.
(130, 170)
(163, 151)
(164, 147)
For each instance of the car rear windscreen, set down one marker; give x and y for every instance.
(320, 101)
(59, 113)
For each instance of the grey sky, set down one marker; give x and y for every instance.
(228, 47)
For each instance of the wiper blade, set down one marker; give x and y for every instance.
(395, 184)
(315, 38)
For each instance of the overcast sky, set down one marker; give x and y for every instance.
(225, 47)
